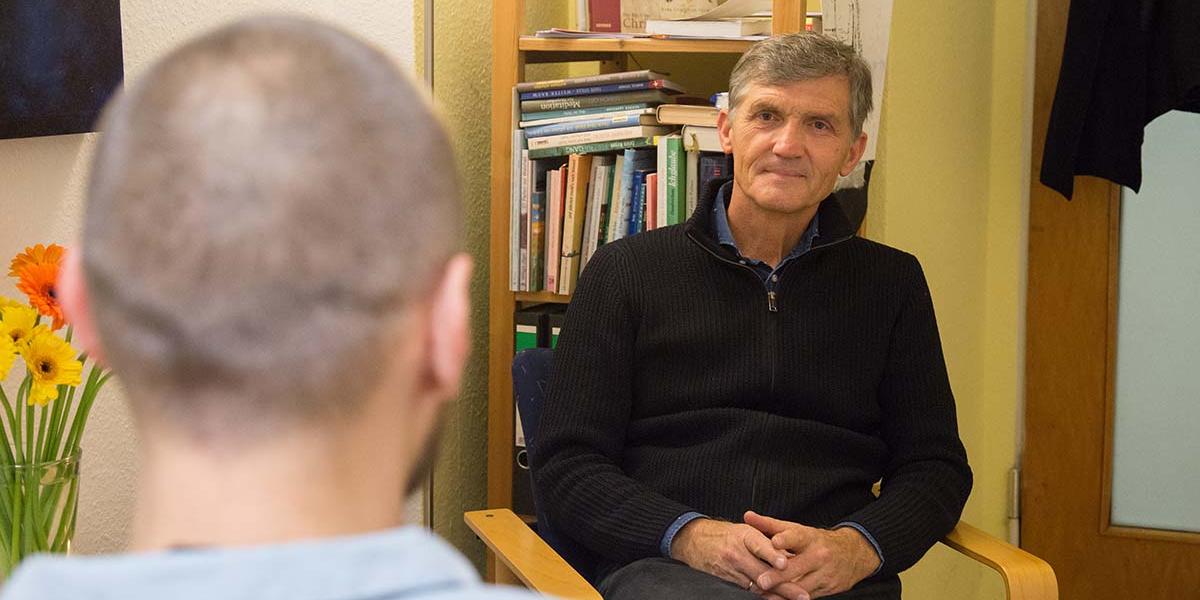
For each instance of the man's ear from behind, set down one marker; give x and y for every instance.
(73, 295)
(447, 331)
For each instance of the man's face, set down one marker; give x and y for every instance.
(791, 142)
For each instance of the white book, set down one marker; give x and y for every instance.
(597, 199)
(573, 118)
(704, 139)
(554, 221)
(692, 181)
(525, 207)
(660, 207)
(718, 28)
(599, 135)
(519, 177)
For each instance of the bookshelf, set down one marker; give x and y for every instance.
(512, 51)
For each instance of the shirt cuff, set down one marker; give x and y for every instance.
(668, 537)
(870, 538)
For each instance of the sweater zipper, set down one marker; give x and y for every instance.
(772, 307)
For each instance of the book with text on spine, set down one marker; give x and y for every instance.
(599, 135)
(592, 148)
(607, 88)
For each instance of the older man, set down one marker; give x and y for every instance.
(728, 391)
(273, 271)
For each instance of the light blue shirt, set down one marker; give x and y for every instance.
(408, 563)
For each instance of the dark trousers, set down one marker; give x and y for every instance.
(665, 579)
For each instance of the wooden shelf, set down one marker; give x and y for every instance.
(541, 297)
(535, 44)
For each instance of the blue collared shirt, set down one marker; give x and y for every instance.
(408, 563)
(770, 277)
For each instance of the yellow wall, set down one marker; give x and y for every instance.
(951, 189)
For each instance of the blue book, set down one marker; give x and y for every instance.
(587, 125)
(637, 209)
(608, 88)
(635, 159)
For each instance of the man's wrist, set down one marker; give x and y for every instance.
(687, 535)
(673, 531)
(868, 559)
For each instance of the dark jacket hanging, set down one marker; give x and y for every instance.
(1124, 64)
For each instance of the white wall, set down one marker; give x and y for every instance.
(41, 192)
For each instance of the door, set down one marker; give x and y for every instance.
(1111, 463)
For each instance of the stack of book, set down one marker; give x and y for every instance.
(596, 159)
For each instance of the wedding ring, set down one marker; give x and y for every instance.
(750, 588)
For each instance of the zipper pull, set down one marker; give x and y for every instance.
(771, 302)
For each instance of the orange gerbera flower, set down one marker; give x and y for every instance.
(38, 281)
(36, 255)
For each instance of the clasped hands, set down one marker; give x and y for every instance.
(777, 559)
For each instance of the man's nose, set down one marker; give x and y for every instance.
(789, 140)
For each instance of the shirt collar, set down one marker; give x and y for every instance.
(382, 564)
(720, 225)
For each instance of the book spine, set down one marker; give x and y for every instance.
(611, 187)
(675, 174)
(591, 148)
(577, 192)
(637, 208)
(554, 226)
(582, 126)
(602, 78)
(519, 176)
(524, 258)
(704, 139)
(660, 187)
(576, 112)
(713, 166)
(592, 90)
(604, 15)
(590, 137)
(593, 101)
(537, 242)
(692, 182)
(652, 202)
(591, 224)
(619, 201)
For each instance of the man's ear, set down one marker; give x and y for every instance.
(724, 130)
(856, 151)
(73, 295)
(449, 327)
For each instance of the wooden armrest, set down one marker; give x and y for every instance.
(1026, 577)
(529, 558)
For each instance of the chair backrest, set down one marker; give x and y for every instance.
(531, 371)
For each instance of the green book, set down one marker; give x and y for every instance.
(676, 178)
(591, 148)
(527, 325)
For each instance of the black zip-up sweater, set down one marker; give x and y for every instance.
(679, 386)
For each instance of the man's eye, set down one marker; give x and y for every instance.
(765, 116)
(820, 125)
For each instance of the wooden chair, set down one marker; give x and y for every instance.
(522, 557)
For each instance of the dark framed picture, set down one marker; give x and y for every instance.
(60, 60)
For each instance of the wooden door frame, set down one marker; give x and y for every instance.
(1070, 366)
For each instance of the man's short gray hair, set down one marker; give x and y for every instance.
(263, 204)
(792, 57)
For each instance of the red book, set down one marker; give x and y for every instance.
(604, 15)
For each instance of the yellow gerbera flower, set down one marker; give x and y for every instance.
(52, 363)
(5, 301)
(8, 354)
(17, 323)
(35, 255)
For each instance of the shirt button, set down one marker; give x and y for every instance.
(743, 261)
(774, 278)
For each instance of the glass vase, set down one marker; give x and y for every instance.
(37, 508)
